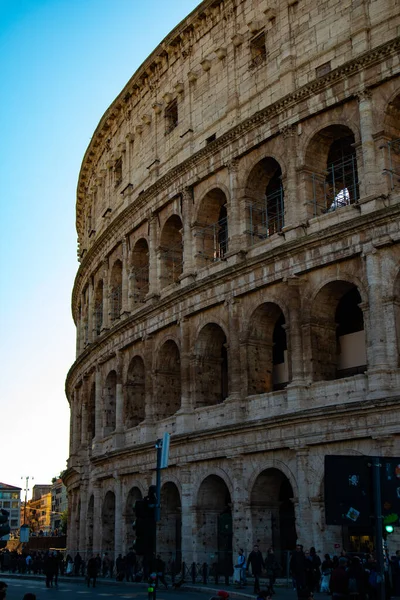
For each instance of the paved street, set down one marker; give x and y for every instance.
(71, 591)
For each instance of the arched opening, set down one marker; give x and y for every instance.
(130, 516)
(392, 146)
(135, 393)
(110, 396)
(211, 381)
(171, 251)
(211, 230)
(214, 524)
(98, 308)
(272, 512)
(108, 523)
(169, 536)
(168, 381)
(139, 278)
(267, 359)
(264, 200)
(89, 526)
(92, 413)
(332, 165)
(116, 291)
(337, 332)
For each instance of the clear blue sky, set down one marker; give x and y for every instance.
(62, 63)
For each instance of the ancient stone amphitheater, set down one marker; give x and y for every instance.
(239, 281)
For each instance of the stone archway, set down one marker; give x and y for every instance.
(168, 373)
(211, 384)
(337, 332)
(108, 523)
(139, 277)
(171, 251)
(267, 361)
(214, 524)
(272, 512)
(211, 229)
(169, 536)
(264, 200)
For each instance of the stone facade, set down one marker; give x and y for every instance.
(239, 282)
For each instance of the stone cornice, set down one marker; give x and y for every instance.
(344, 71)
(301, 417)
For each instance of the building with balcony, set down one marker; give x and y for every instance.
(59, 505)
(238, 219)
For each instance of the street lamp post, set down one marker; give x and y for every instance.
(26, 490)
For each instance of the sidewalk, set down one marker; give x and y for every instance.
(209, 589)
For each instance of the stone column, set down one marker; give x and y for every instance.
(188, 246)
(82, 546)
(90, 309)
(119, 402)
(367, 171)
(294, 208)
(240, 500)
(234, 365)
(125, 277)
(106, 297)
(70, 534)
(235, 243)
(189, 530)
(154, 286)
(99, 409)
(186, 392)
(374, 323)
(294, 332)
(302, 505)
(118, 541)
(84, 408)
(98, 525)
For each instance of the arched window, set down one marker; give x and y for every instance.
(139, 277)
(211, 229)
(264, 201)
(171, 251)
(116, 291)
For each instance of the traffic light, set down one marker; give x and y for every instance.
(4, 525)
(145, 527)
(389, 528)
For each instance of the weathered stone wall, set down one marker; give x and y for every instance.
(238, 225)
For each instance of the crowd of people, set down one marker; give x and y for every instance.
(344, 577)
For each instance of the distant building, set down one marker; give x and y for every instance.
(37, 512)
(10, 500)
(59, 504)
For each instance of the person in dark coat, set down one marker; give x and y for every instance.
(298, 569)
(77, 563)
(340, 581)
(395, 567)
(272, 568)
(256, 562)
(91, 571)
(357, 579)
(315, 570)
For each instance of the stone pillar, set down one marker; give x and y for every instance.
(125, 277)
(118, 541)
(189, 530)
(297, 385)
(106, 297)
(99, 409)
(234, 365)
(154, 286)
(84, 407)
(294, 208)
(302, 503)
(186, 391)
(98, 525)
(70, 534)
(374, 322)
(82, 546)
(235, 243)
(119, 403)
(188, 246)
(367, 171)
(90, 309)
(240, 500)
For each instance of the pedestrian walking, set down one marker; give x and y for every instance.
(272, 568)
(256, 562)
(91, 571)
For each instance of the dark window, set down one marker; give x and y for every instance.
(118, 172)
(258, 50)
(171, 116)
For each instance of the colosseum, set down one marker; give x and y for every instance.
(239, 281)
